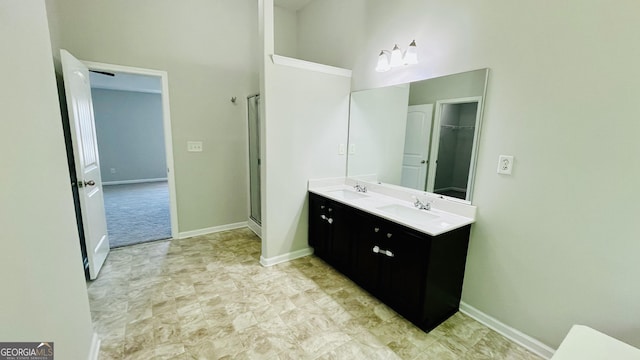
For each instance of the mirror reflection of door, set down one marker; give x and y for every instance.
(454, 131)
(416, 146)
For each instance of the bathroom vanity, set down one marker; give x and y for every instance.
(411, 259)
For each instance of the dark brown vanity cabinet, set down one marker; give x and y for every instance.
(389, 261)
(418, 275)
(329, 233)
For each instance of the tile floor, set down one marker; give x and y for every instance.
(208, 297)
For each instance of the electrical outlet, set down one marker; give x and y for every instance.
(194, 146)
(505, 164)
(342, 149)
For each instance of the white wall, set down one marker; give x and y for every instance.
(301, 130)
(329, 31)
(305, 122)
(377, 131)
(467, 84)
(44, 296)
(285, 31)
(210, 52)
(555, 243)
(129, 127)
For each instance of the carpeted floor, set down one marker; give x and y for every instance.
(137, 213)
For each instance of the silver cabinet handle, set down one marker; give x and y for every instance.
(329, 220)
(389, 235)
(376, 249)
(321, 206)
(376, 229)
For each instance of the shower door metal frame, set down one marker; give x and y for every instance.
(254, 159)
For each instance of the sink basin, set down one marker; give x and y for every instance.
(408, 213)
(348, 194)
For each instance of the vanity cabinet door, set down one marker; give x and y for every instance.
(329, 231)
(318, 226)
(445, 275)
(366, 262)
(339, 252)
(405, 255)
(390, 261)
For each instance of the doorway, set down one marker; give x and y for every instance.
(133, 130)
(454, 146)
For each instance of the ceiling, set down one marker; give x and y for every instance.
(293, 5)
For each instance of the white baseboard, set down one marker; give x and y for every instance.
(285, 257)
(137, 181)
(211, 230)
(257, 229)
(94, 350)
(507, 331)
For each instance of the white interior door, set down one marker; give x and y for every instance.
(85, 153)
(416, 146)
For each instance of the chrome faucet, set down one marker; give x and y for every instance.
(360, 188)
(422, 205)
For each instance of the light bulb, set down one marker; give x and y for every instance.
(383, 63)
(396, 57)
(411, 55)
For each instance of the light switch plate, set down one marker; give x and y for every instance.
(352, 149)
(194, 146)
(342, 149)
(505, 164)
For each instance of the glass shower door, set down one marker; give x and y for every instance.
(254, 158)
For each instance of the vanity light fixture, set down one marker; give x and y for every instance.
(383, 62)
(411, 55)
(396, 59)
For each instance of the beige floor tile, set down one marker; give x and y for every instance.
(208, 297)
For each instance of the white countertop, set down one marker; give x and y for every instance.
(456, 215)
(585, 343)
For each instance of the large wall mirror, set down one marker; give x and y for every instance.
(422, 135)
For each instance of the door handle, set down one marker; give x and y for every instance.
(83, 183)
(423, 162)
